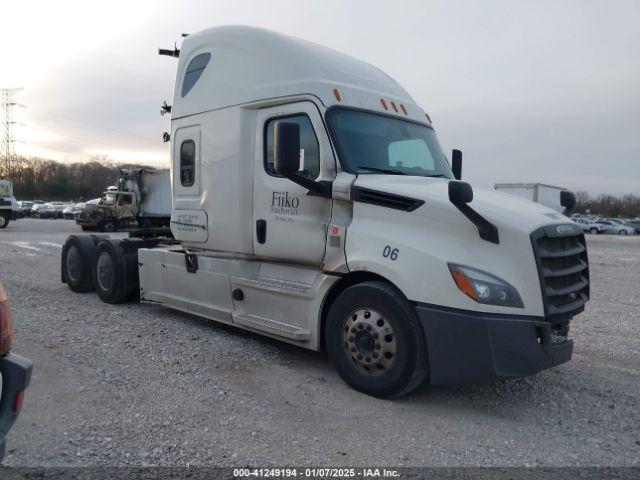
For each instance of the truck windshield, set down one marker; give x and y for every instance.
(5, 189)
(109, 199)
(370, 143)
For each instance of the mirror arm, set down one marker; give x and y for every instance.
(460, 193)
(321, 188)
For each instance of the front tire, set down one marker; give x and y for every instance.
(622, 232)
(593, 231)
(108, 226)
(4, 220)
(375, 341)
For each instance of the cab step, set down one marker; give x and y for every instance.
(272, 326)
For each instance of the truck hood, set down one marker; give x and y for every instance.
(499, 208)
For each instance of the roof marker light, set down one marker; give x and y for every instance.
(337, 94)
(393, 104)
(384, 104)
(428, 117)
(404, 109)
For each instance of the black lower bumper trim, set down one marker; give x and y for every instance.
(469, 347)
(16, 375)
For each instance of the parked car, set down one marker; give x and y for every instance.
(15, 371)
(72, 210)
(589, 225)
(25, 207)
(635, 224)
(44, 210)
(616, 228)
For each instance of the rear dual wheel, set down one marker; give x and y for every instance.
(77, 258)
(114, 272)
(375, 341)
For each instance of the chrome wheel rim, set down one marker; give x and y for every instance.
(369, 341)
(73, 263)
(104, 269)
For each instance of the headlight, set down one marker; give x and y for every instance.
(484, 287)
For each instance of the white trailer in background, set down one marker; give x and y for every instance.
(547, 195)
(312, 203)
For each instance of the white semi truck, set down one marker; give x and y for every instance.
(312, 203)
(9, 209)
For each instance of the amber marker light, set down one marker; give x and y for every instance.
(463, 282)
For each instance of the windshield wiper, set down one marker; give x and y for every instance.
(437, 175)
(382, 170)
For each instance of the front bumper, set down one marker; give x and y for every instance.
(16, 374)
(15, 215)
(470, 347)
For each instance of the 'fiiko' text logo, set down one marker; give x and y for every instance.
(284, 203)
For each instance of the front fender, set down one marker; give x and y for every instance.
(423, 248)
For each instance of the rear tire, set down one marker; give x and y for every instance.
(375, 341)
(4, 220)
(77, 259)
(593, 231)
(115, 270)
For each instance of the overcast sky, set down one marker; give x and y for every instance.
(535, 91)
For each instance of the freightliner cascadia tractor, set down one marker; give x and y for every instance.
(312, 203)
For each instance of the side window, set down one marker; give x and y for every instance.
(194, 70)
(309, 148)
(187, 163)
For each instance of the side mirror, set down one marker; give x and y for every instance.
(456, 163)
(286, 155)
(286, 159)
(460, 193)
(568, 201)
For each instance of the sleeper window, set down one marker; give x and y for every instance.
(187, 163)
(194, 70)
(309, 148)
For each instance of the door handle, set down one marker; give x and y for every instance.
(261, 230)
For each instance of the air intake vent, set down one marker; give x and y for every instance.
(383, 199)
(563, 266)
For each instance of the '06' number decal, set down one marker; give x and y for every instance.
(391, 253)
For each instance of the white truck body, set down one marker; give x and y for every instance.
(153, 189)
(9, 209)
(547, 195)
(282, 256)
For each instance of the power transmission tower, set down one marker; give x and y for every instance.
(9, 157)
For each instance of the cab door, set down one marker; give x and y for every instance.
(289, 224)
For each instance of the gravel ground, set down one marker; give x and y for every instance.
(140, 384)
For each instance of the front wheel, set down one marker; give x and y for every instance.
(4, 220)
(108, 226)
(622, 232)
(375, 341)
(593, 231)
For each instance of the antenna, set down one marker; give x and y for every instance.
(7, 151)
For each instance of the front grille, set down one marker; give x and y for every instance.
(563, 267)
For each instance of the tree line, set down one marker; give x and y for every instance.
(625, 206)
(49, 180)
